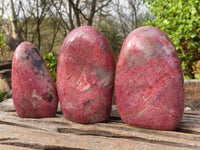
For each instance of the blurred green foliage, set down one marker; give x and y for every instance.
(180, 19)
(110, 29)
(2, 94)
(51, 62)
(2, 42)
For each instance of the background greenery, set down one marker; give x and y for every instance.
(51, 62)
(180, 19)
(2, 94)
(47, 22)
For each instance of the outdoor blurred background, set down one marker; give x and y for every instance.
(47, 22)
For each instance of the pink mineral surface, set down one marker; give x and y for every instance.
(34, 91)
(149, 87)
(85, 76)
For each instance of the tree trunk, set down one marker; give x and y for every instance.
(55, 31)
(25, 21)
(13, 20)
(16, 36)
(70, 18)
(15, 32)
(92, 12)
(136, 21)
(39, 36)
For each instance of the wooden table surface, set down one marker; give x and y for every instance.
(60, 134)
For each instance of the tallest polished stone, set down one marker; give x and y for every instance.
(85, 76)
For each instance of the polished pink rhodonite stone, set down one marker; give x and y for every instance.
(149, 82)
(34, 91)
(85, 76)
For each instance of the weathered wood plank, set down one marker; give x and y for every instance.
(59, 133)
(37, 139)
(5, 65)
(12, 147)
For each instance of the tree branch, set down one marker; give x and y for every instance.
(92, 12)
(102, 6)
(77, 10)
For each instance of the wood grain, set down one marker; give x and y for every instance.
(58, 133)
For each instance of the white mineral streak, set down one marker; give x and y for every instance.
(106, 80)
(83, 83)
(34, 95)
(86, 87)
(105, 76)
(101, 77)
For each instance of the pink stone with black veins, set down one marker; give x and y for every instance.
(34, 91)
(149, 87)
(85, 76)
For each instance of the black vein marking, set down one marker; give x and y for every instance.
(50, 97)
(36, 62)
(104, 46)
(36, 73)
